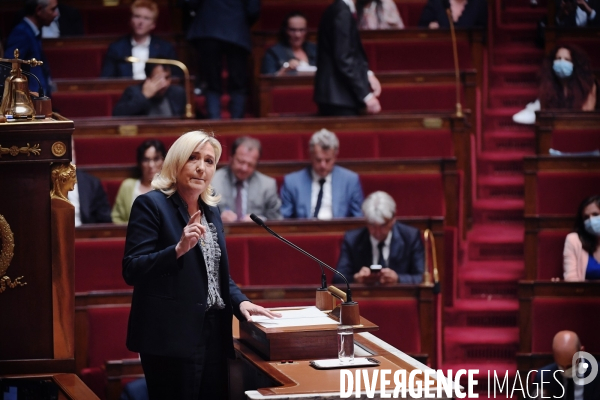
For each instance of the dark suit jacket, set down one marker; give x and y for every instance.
(115, 66)
(133, 102)
(474, 14)
(280, 53)
(347, 194)
(93, 203)
(406, 254)
(342, 64)
(553, 389)
(30, 46)
(70, 22)
(169, 294)
(226, 20)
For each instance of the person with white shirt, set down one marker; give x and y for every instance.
(322, 190)
(243, 189)
(396, 247)
(140, 44)
(577, 13)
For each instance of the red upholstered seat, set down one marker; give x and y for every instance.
(98, 264)
(78, 104)
(111, 187)
(237, 251)
(271, 262)
(418, 55)
(550, 254)
(410, 12)
(276, 146)
(574, 140)
(293, 101)
(271, 14)
(93, 151)
(115, 20)
(430, 143)
(79, 62)
(107, 329)
(415, 194)
(398, 321)
(421, 97)
(562, 192)
(550, 316)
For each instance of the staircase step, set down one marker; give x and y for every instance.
(507, 97)
(482, 313)
(494, 211)
(500, 119)
(485, 344)
(493, 241)
(523, 15)
(524, 78)
(515, 35)
(522, 141)
(501, 163)
(511, 55)
(500, 187)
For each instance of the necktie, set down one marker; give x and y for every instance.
(319, 198)
(381, 260)
(570, 389)
(238, 200)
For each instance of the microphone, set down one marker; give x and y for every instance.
(261, 223)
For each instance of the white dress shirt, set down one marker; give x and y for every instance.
(73, 197)
(326, 210)
(385, 250)
(140, 51)
(582, 18)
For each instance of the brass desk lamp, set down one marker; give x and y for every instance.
(186, 74)
(16, 100)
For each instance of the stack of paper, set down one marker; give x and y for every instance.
(297, 317)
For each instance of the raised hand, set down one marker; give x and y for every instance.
(191, 234)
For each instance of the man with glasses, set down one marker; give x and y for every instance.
(243, 189)
(396, 249)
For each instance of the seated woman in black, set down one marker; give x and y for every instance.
(293, 50)
(465, 14)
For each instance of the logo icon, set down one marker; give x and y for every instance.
(585, 366)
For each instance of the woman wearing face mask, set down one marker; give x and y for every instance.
(150, 157)
(292, 51)
(582, 247)
(567, 81)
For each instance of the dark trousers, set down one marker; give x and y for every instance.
(202, 376)
(330, 110)
(212, 52)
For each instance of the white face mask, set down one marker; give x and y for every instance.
(592, 225)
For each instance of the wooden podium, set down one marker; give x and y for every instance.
(36, 242)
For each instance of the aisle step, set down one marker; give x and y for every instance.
(483, 312)
(500, 119)
(511, 141)
(494, 211)
(512, 97)
(517, 56)
(500, 187)
(501, 163)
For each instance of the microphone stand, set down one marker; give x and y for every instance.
(459, 112)
(348, 313)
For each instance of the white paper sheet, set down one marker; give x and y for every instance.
(308, 316)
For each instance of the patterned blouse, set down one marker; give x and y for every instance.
(212, 256)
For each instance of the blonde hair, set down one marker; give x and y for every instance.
(149, 4)
(178, 155)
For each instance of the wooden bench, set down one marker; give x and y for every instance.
(544, 244)
(567, 131)
(576, 304)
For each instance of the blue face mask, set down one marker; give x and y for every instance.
(592, 225)
(563, 68)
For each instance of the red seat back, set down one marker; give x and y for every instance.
(237, 252)
(418, 55)
(573, 187)
(75, 62)
(550, 254)
(576, 140)
(107, 334)
(78, 104)
(98, 264)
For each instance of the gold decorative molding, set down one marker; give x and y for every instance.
(63, 178)
(15, 150)
(6, 255)
(59, 149)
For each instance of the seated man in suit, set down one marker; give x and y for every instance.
(243, 189)
(384, 241)
(140, 44)
(322, 190)
(90, 201)
(571, 382)
(154, 97)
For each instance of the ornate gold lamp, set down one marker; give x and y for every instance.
(16, 100)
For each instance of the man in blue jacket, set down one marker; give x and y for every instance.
(322, 190)
(27, 37)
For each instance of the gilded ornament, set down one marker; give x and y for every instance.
(64, 179)
(6, 255)
(59, 149)
(15, 150)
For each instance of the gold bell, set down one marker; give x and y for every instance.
(16, 100)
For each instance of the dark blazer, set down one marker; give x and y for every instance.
(70, 22)
(347, 194)
(226, 20)
(93, 203)
(557, 390)
(474, 14)
(115, 66)
(23, 38)
(570, 21)
(342, 65)
(280, 53)
(133, 102)
(407, 256)
(169, 294)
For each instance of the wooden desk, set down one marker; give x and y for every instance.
(548, 122)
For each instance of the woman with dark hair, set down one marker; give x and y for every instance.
(582, 247)
(150, 157)
(465, 14)
(293, 52)
(378, 14)
(567, 81)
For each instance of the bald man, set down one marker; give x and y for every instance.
(557, 378)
